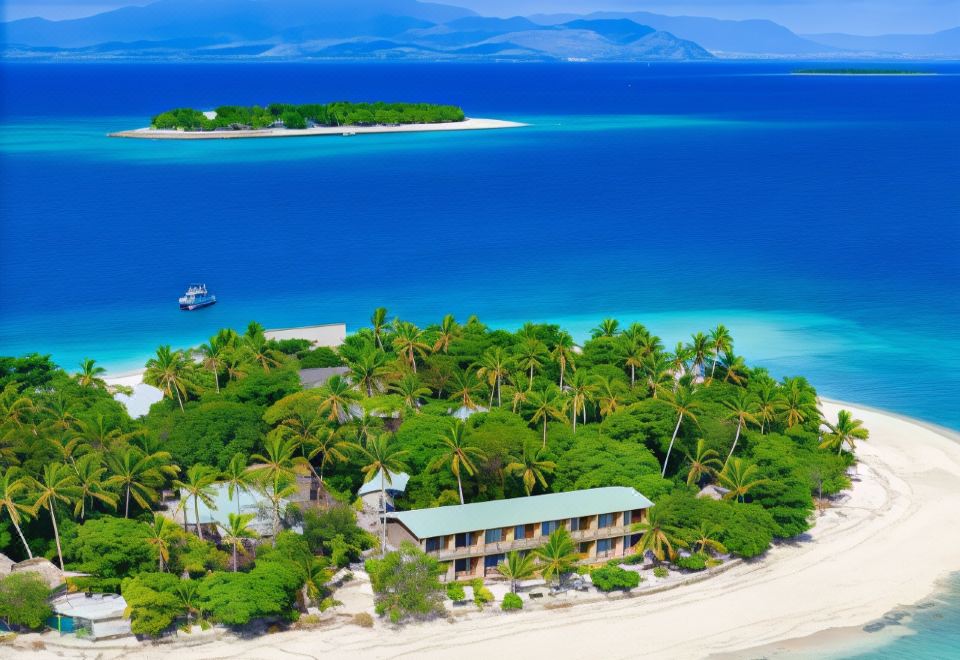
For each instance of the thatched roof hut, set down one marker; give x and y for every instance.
(43, 567)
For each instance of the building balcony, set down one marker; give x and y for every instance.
(482, 549)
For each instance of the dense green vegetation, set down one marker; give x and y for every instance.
(80, 481)
(23, 600)
(303, 115)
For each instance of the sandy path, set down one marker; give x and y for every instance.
(886, 546)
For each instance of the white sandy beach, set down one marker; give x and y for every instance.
(886, 546)
(469, 124)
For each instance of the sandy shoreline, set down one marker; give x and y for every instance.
(469, 124)
(886, 546)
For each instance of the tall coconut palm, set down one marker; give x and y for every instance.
(545, 405)
(562, 353)
(734, 368)
(449, 331)
(363, 427)
(704, 462)
(767, 401)
(57, 483)
(237, 477)
(557, 556)
(741, 407)
(797, 402)
(531, 468)
(257, 349)
(278, 460)
(720, 342)
(581, 390)
(409, 342)
(657, 537)
(276, 487)
(380, 456)
(656, 373)
(706, 540)
(336, 397)
(90, 470)
(14, 488)
(331, 448)
(464, 387)
(16, 408)
(138, 474)
(686, 404)
(517, 567)
(607, 328)
(740, 477)
(169, 371)
(679, 359)
(98, 433)
(609, 396)
(90, 375)
(369, 371)
(199, 485)
(700, 352)
(530, 355)
(494, 366)
(458, 454)
(846, 431)
(521, 391)
(236, 531)
(636, 332)
(214, 354)
(160, 534)
(631, 355)
(411, 390)
(378, 320)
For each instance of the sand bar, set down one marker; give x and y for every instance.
(469, 124)
(885, 546)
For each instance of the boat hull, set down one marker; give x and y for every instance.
(197, 305)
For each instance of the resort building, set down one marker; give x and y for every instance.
(369, 493)
(89, 616)
(471, 539)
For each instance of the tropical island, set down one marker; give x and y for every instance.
(406, 471)
(860, 72)
(287, 120)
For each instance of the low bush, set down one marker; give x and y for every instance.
(363, 619)
(661, 572)
(456, 592)
(482, 596)
(632, 559)
(692, 563)
(511, 602)
(613, 578)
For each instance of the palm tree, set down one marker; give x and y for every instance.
(739, 407)
(658, 538)
(700, 351)
(16, 408)
(449, 330)
(847, 431)
(685, 403)
(706, 539)
(734, 369)
(797, 402)
(581, 390)
(704, 462)
(199, 485)
(531, 468)
(720, 342)
(494, 366)
(609, 393)
(13, 488)
(607, 328)
(545, 405)
(739, 477)
(237, 477)
(767, 401)
(169, 371)
(517, 567)
(279, 459)
(58, 483)
(679, 359)
(380, 456)
(631, 354)
(90, 375)
(562, 353)
(369, 370)
(458, 454)
(97, 433)
(160, 533)
(138, 474)
(257, 349)
(336, 395)
(656, 373)
(317, 574)
(276, 486)
(557, 556)
(530, 356)
(521, 391)
(330, 448)
(214, 353)
(466, 384)
(409, 342)
(188, 598)
(90, 470)
(236, 531)
(379, 322)
(411, 390)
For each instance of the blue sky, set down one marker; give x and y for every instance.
(802, 16)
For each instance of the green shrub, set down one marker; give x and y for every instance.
(23, 599)
(613, 578)
(511, 602)
(456, 592)
(632, 559)
(661, 572)
(692, 563)
(482, 596)
(363, 619)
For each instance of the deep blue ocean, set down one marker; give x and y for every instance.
(818, 217)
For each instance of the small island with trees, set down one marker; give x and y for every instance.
(286, 120)
(860, 72)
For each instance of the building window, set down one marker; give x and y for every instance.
(604, 545)
(627, 518)
(574, 524)
(493, 535)
(605, 520)
(491, 561)
(435, 544)
(461, 565)
(464, 539)
(549, 527)
(519, 532)
(584, 548)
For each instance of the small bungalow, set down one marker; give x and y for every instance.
(43, 567)
(90, 616)
(369, 492)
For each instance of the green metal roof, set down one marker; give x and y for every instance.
(424, 523)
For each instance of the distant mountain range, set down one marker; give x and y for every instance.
(408, 29)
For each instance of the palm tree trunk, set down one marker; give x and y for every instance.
(735, 439)
(196, 516)
(126, 508)
(544, 432)
(670, 448)
(179, 400)
(383, 518)
(56, 531)
(562, 367)
(460, 488)
(216, 380)
(531, 376)
(234, 557)
(22, 539)
(633, 376)
(499, 400)
(574, 419)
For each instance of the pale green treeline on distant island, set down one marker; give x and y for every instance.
(81, 482)
(303, 115)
